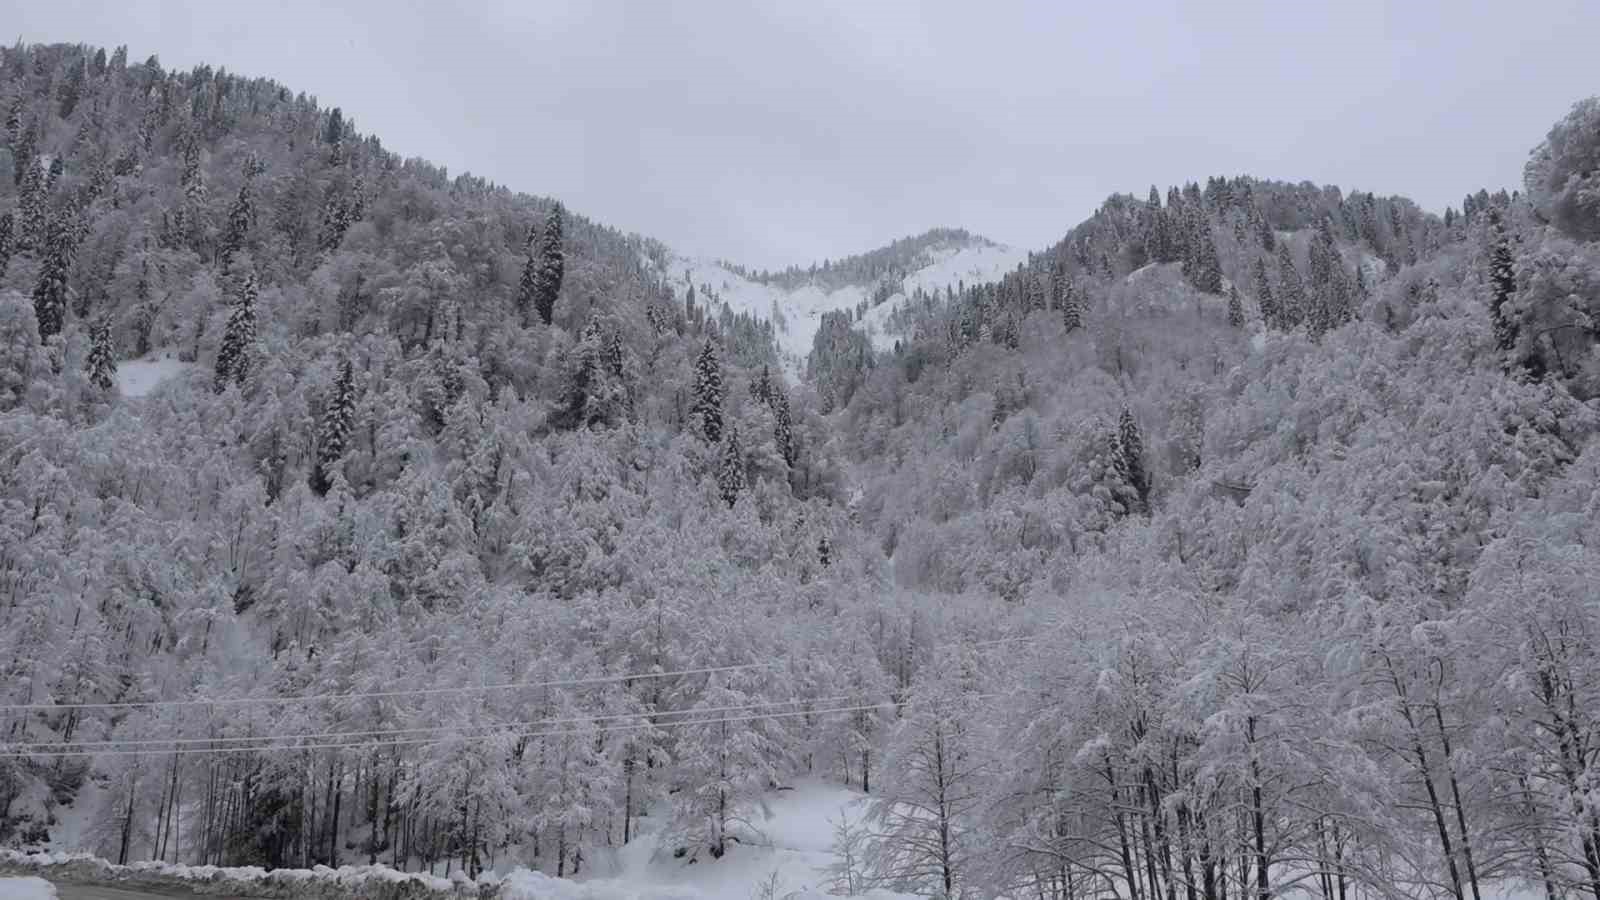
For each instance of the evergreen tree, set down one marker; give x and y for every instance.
(824, 552)
(1235, 308)
(528, 287)
(1071, 308)
(50, 292)
(32, 207)
(22, 149)
(1271, 314)
(1291, 291)
(14, 124)
(730, 471)
(239, 219)
(1157, 240)
(615, 357)
(233, 356)
(761, 386)
(102, 362)
(333, 131)
(1502, 284)
(552, 266)
(707, 409)
(1130, 456)
(783, 426)
(7, 239)
(333, 433)
(335, 219)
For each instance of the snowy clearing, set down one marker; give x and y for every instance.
(797, 314)
(138, 377)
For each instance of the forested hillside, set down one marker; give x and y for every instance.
(1246, 540)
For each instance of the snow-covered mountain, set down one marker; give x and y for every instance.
(796, 310)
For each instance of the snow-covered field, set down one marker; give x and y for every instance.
(138, 377)
(797, 314)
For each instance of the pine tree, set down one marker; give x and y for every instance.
(615, 357)
(824, 552)
(335, 219)
(1502, 282)
(761, 386)
(233, 356)
(707, 409)
(1291, 291)
(50, 293)
(14, 124)
(730, 471)
(1235, 308)
(783, 427)
(1130, 455)
(1157, 240)
(7, 224)
(239, 219)
(528, 287)
(102, 362)
(1271, 314)
(552, 266)
(333, 433)
(1071, 308)
(22, 149)
(32, 206)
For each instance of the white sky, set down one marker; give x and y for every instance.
(784, 132)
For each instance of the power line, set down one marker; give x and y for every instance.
(417, 692)
(159, 743)
(374, 695)
(184, 751)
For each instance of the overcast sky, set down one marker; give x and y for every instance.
(784, 132)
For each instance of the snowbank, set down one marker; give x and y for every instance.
(321, 883)
(26, 889)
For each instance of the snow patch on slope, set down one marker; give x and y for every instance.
(796, 315)
(138, 377)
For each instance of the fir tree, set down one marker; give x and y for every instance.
(1130, 455)
(22, 149)
(707, 409)
(730, 471)
(824, 552)
(233, 356)
(50, 292)
(528, 288)
(615, 357)
(1291, 291)
(102, 362)
(552, 266)
(32, 205)
(333, 432)
(239, 219)
(335, 220)
(1271, 314)
(14, 124)
(783, 427)
(1235, 308)
(1502, 283)
(761, 386)
(1071, 308)
(6, 241)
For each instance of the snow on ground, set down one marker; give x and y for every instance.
(26, 889)
(138, 377)
(790, 840)
(797, 314)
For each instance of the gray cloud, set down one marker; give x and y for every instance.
(773, 133)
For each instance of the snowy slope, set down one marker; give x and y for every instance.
(797, 314)
(138, 377)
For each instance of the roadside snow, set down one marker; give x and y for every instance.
(138, 377)
(26, 889)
